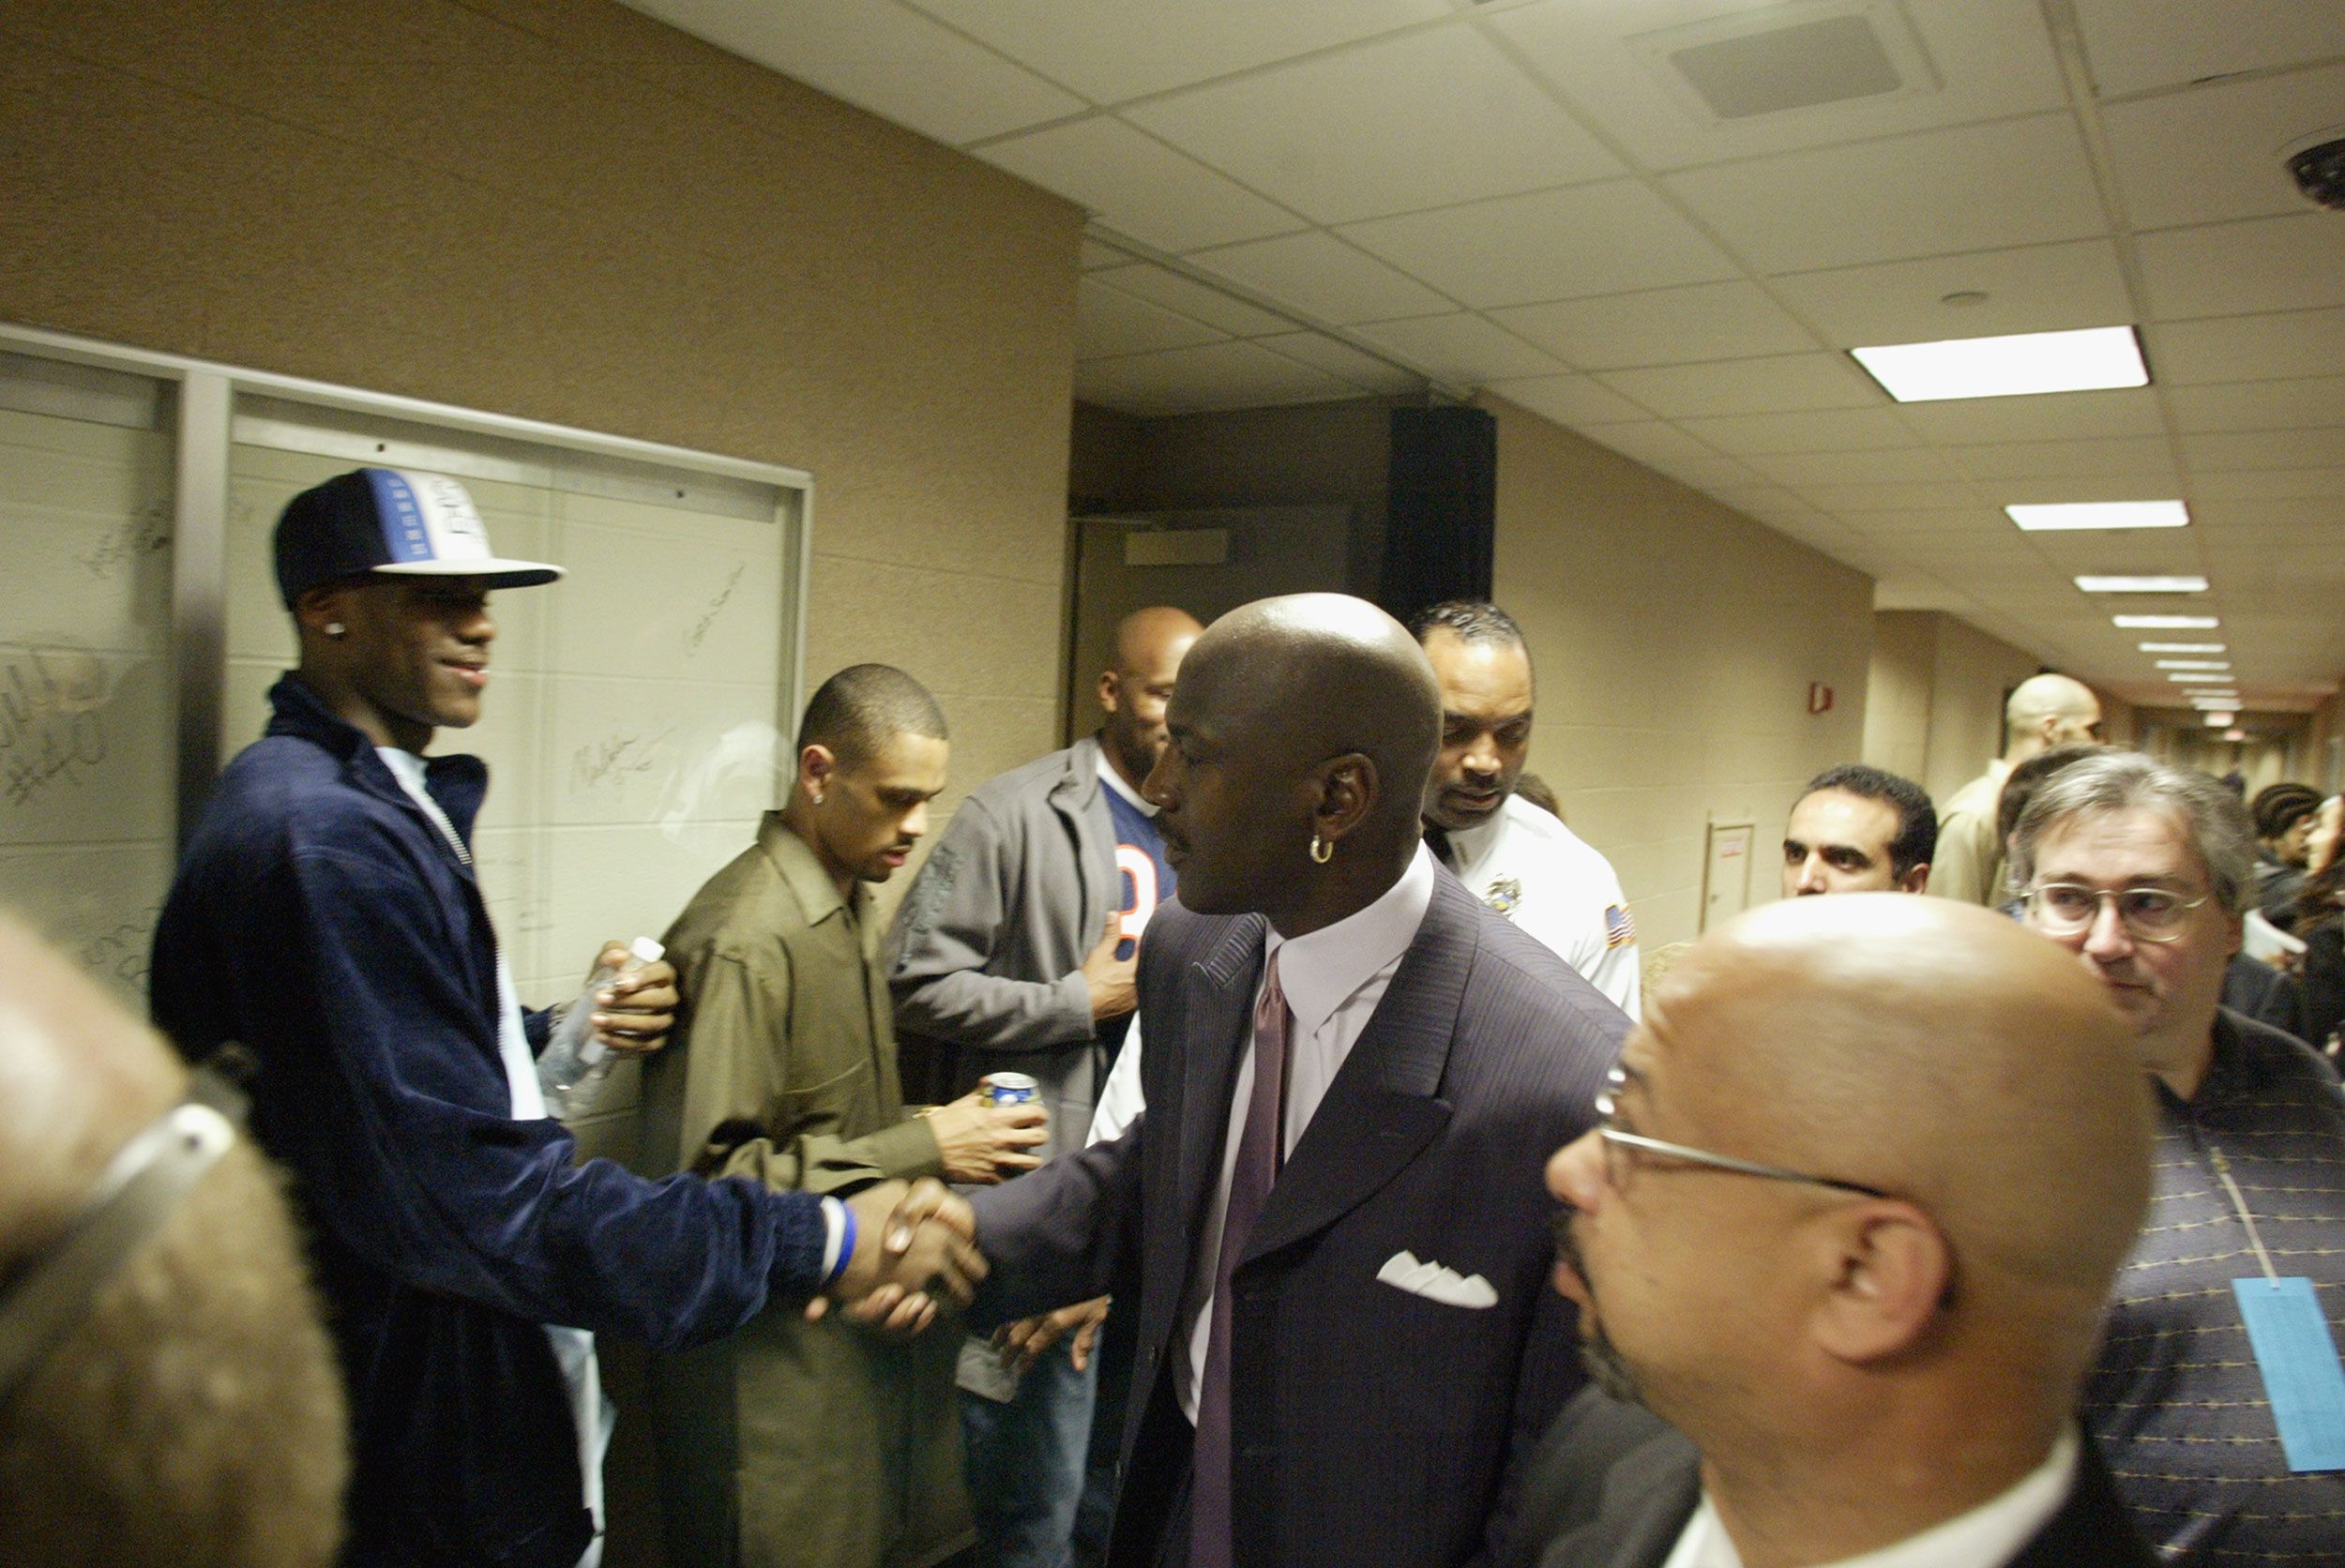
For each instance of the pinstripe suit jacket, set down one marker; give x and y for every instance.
(1369, 1425)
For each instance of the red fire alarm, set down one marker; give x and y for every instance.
(1819, 698)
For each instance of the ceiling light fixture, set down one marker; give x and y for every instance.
(2217, 719)
(2186, 647)
(2098, 514)
(2143, 584)
(2194, 664)
(2027, 362)
(2200, 680)
(2166, 622)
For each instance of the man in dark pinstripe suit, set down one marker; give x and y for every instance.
(1328, 1222)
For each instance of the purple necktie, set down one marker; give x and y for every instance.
(1258, 1148)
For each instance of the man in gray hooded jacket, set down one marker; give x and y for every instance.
(1015, 952)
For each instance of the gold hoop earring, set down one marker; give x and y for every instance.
(1322, 850)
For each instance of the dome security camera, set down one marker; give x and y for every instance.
(2317, 163)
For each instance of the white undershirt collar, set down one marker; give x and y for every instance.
(1323, 970)
(1115, 780)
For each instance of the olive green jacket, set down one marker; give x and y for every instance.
(794, 1443)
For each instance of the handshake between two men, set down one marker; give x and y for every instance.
(912, 1244)
(915, 1244)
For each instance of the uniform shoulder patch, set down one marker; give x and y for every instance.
(1620, 926)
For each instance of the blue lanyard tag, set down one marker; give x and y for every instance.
(2300, 1366)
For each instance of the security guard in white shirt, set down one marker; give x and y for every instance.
(1521, 860)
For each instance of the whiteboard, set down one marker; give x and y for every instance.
(86, 748)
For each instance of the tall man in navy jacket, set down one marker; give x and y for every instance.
(1329, 1217)
(326, 917)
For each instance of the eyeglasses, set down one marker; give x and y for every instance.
(2148, 914)
(1617, 1141)
(136, 1195)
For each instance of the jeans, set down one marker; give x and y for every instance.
(1025, 1463)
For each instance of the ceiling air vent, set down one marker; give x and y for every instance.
(1787, 57)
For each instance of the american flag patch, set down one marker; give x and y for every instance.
(1620, 926)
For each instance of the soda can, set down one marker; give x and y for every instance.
(1010, 1089)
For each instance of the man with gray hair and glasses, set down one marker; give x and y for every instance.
(2218, 1400)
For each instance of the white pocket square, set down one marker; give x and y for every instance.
(1435, 1283)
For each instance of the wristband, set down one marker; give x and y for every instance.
(846, 1247)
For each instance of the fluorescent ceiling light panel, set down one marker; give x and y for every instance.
(2186, 647)
(2194, 664)
(2099, 513)
(2029, 362)
(2143, 584)
(2234, 734)
(2217, 719)
(2200, 680)
(2167, 622)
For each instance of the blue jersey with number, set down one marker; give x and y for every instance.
(1144, 880)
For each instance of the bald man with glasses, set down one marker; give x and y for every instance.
(1831, 1317)
(2144, 872)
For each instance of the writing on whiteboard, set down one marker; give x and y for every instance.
(708, 616)
(616, 759)
(126, 542)
(121, 951)
(52, 726)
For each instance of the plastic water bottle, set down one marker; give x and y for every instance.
(572, 1068)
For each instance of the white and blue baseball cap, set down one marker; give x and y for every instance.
(394, 520)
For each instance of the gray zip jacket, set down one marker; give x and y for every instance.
(985, 959)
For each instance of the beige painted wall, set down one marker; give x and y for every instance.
(1969, 677)
(1675, 640)
(1898, 691)
(1934, 712)
(562, 210)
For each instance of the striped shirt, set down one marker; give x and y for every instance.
(2177, 1401)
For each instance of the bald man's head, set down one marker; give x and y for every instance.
(1137, 685)
(1931, 1051)
(1311, 718)
(1938, 1051)
(2045, 711)
(192, 1415)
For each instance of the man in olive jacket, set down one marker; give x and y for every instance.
(792, 1443)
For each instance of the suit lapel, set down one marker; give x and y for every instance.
(1382, 1108)
(1647, 1498)
(1217, 1005)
